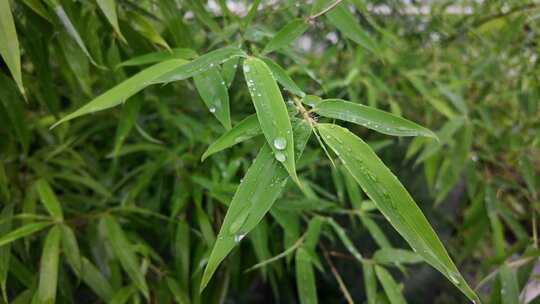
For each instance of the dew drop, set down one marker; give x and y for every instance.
(238, 237)
(246, 68)
(212, 110)
(280, 156)
(280, 143)
(453, 278)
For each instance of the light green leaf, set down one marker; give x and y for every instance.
(286, 35)
(342, 235)
(48, 272)
(147, 29)
(260, 188)
(108, 7)
(70, 248)
(509, 285)
(123, 251)
(120, 93)
(305, 278)
(391, 288)
(96, 281)
(214, 93)
(123, 294)
(271, 112)
(22, 232)
(49, 200)
(9, 44)
(5, 251)
(371, 118)
(178, 53)
(201, 64)
(396, 256)
(243, 131)
(281, 76)
(370, 282)
(393, 200)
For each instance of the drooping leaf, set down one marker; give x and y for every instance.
(286, 35)
(305, 278)
(509, 285)
(391, 288)
(271, 112)
(5, 251)
(9, 43)
(393, 200)
(48, 273)
(177, 53)
(281, 76)
(370, 282)
(70, 248)
(95, 279)
(124, 90)
(22, 232)
(49, 200)
(396, 256)
(123, 251)
(243, 131)
(214, 93)
(255, 195)
(108, 7)
(147, 29)
(371, 118)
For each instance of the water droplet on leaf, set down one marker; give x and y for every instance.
(280, 143)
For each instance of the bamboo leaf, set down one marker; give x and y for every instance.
(260, 188)
(22, 232)
(214, 93)
(48, 273)
(122, 249)
(370, 282)
(177, 53)
(305, 278)
(271, 112)
(286, 35)
(9, 44)
(49, 200)
(371, 118)
(70, 247)
(396, 256)
(244, 130)
(281, 76)
(391, 198)
(120, 93)
(391, 288)
(509, 285)
(95, 280)
(5, 251)
(108, 7)
(147, 29)
(201, 64)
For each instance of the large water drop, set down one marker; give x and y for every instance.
(280, 143)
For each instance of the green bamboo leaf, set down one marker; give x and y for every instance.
(396, 256)
(229, 70)
(371, 118)
(48, 272)
(342, 235)
(305, 277)
(509, 285)
(346, 23)
(214, 93)
(5, 251)
(120, 93)
(22, 232)
(38, 8)
(147, 29)
(96, 281)
(123, 251)
(201, 64)
(281, 76)
(391, 288)
(370, 282)
(286, 35)
(271, 112)
(11, 102)
(70, 247)
(9, 44)
(108, 7)
(49, 200)
(177, 53)
(255, 195)
(70, 28)
(393, 200)
(244, 130)
(123, 294)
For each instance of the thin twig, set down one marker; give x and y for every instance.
(339, 280)
(324, 11)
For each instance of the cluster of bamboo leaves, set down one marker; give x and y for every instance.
(180, 151)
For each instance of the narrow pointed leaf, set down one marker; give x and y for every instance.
(243, 131)
(123, 251)
(271, 112)
(393, 200)
(49, 200)
(370, 282)
(9, 43)
(214, 93)
(371, 118)
(201, 64)
(396, 256)
(5, 251)
(48, 273)
(70, 248)
(284, 80)
(124, 90)
(108, 7)
(255, 195)
(178, 53)
(22, 232)
(286, 35)
(305, 278)
(509, 285)
(95, 280)
(147, 29)
(391, 288)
